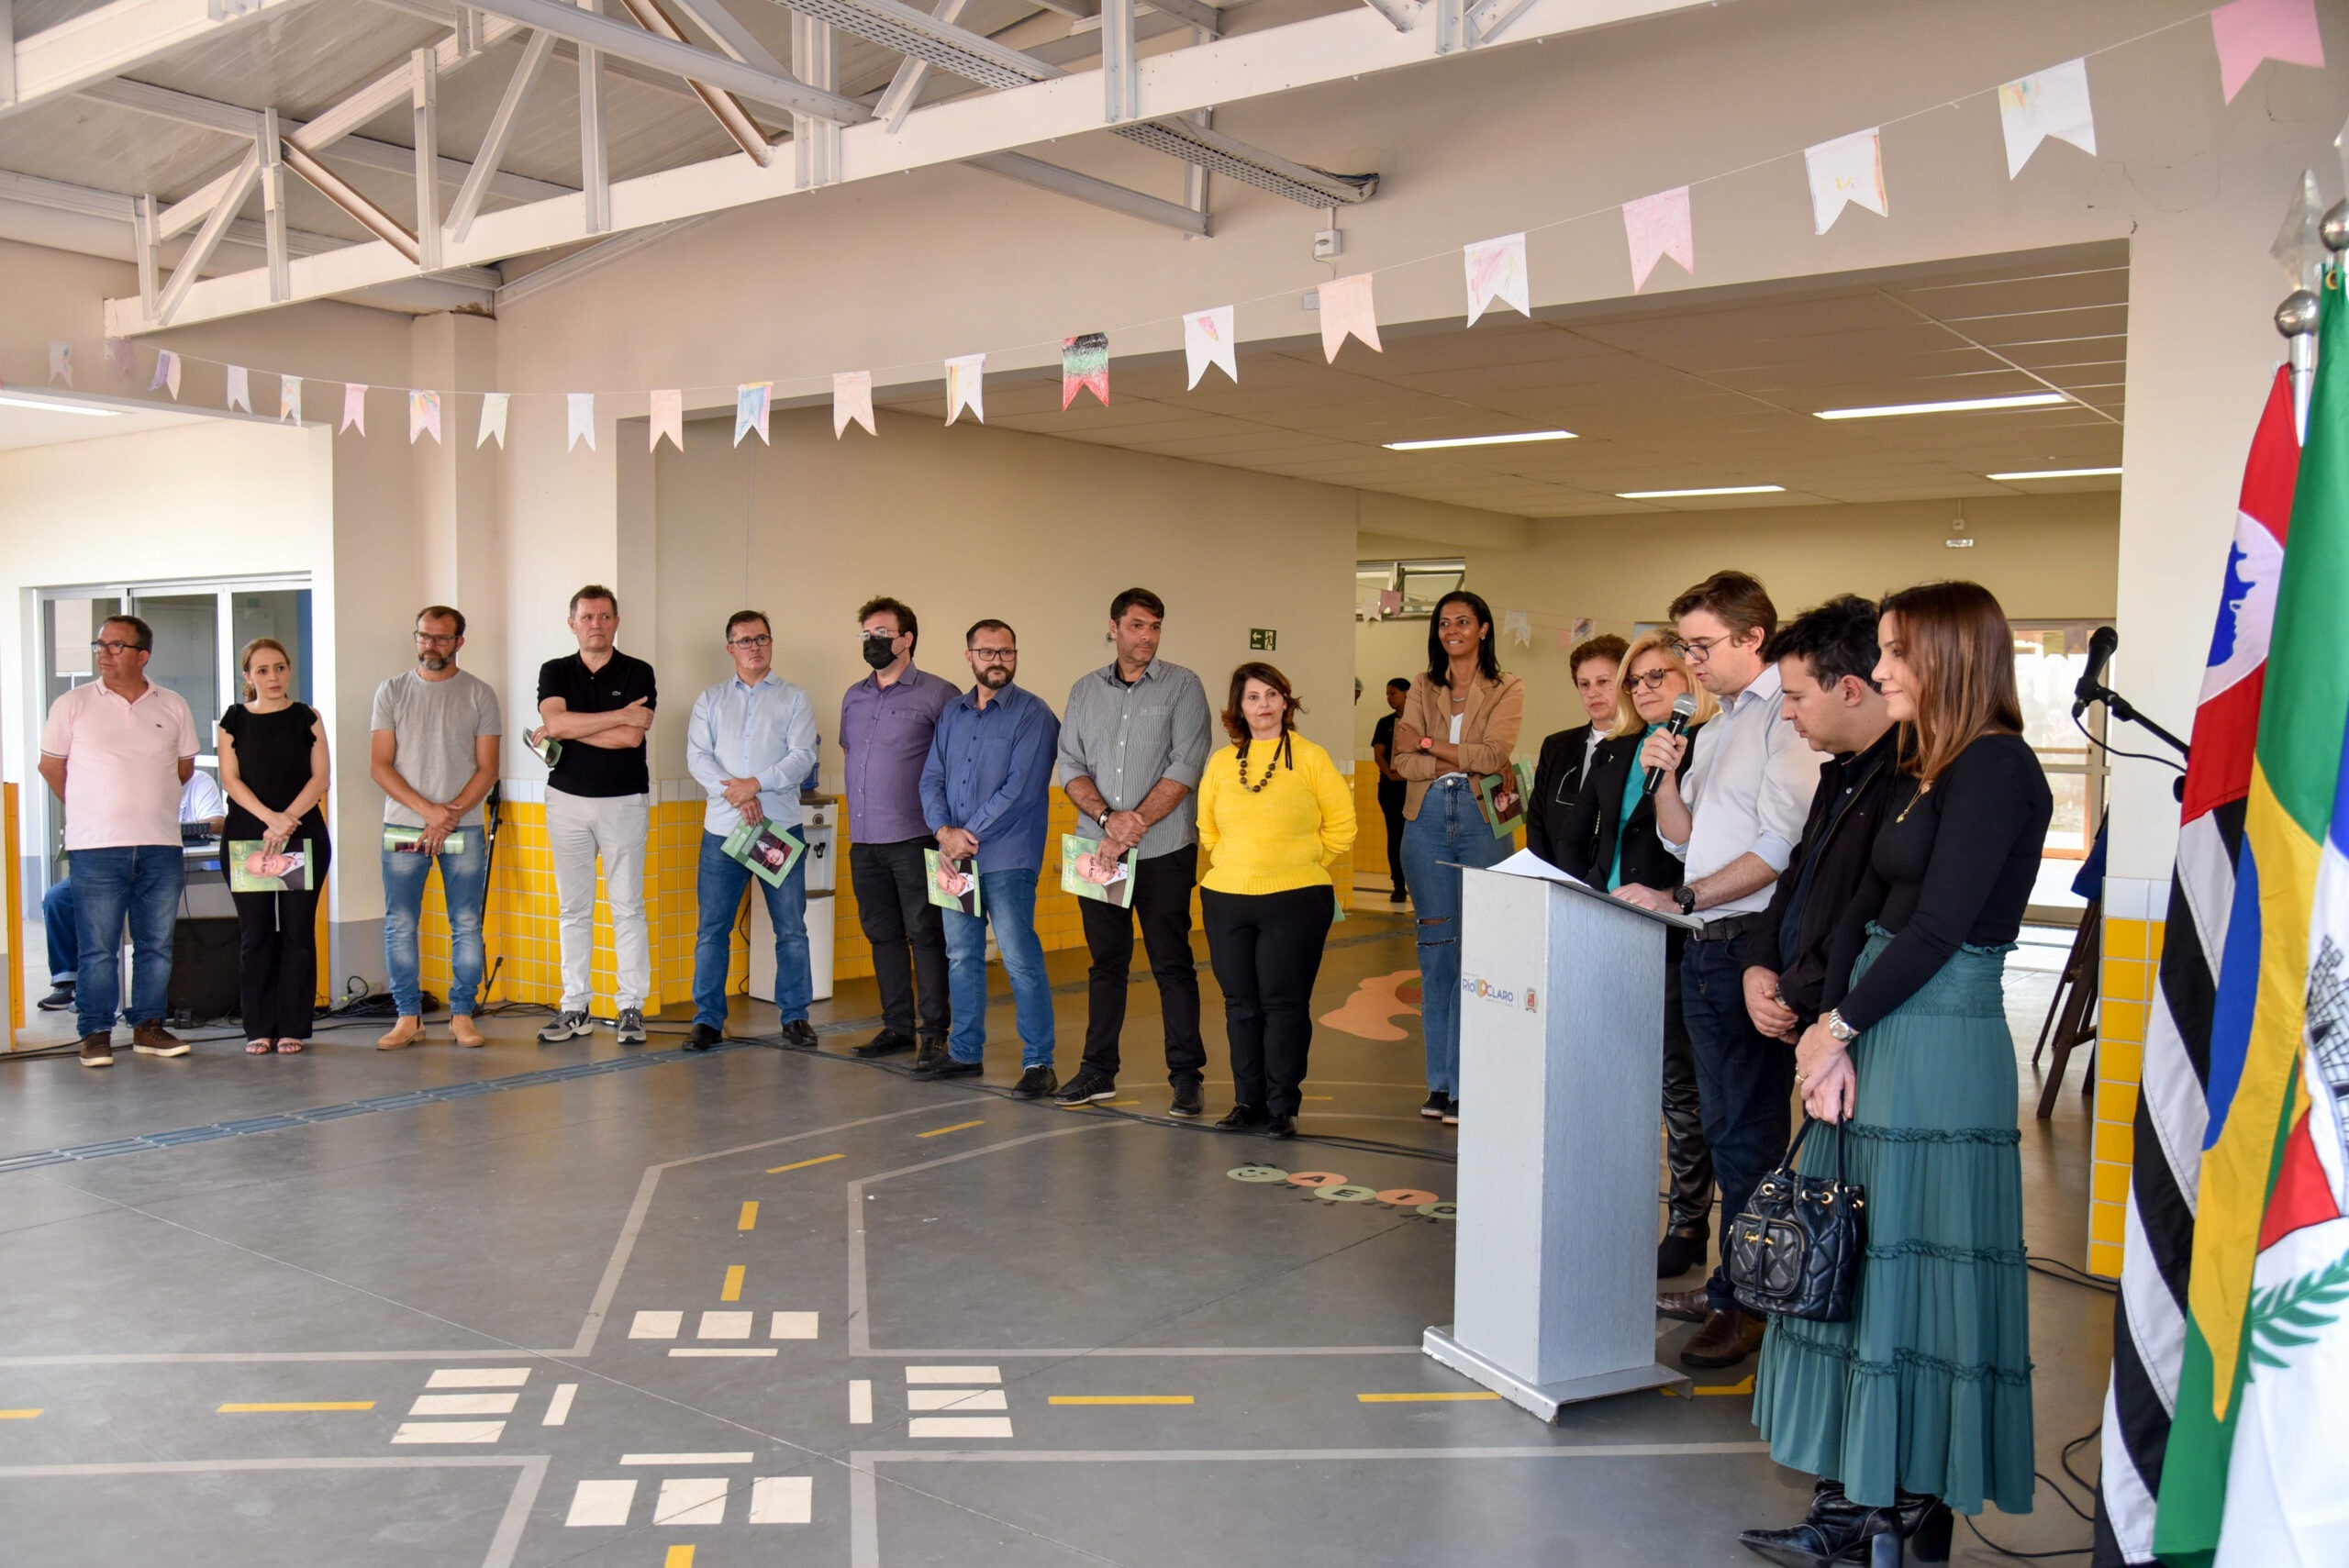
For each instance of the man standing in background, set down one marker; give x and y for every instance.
(1392, 788)
(888, 722)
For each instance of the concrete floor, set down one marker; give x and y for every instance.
(761, 1308)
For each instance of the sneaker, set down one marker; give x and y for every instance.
(949, 1068)
(1245, 1119)
(97, 1051)
(631, 1026)
(1085, 1088)
(566, 1025)
(1035, 1083)
(798, 1034)
(1437, 1103)
(61, 997)
(704, 1037)
(154, 1040)
(1187, 1101)
(888, 1042)
(1451, 1113)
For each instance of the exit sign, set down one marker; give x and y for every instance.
(1263, 640)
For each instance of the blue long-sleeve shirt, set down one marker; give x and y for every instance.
(765, 732)
(990, 774)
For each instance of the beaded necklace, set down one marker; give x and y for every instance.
(1280, 758)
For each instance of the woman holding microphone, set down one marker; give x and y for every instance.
(1920, 1404)
(274, 770)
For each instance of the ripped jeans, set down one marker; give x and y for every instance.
(1447, 833)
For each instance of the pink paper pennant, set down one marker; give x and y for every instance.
(1347, 308)
(851, 402)
(668, 410)
(2249, 31)
(1657, 227)
(354, 408)
(423, 416)
(122, 357)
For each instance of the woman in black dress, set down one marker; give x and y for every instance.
(273, 769)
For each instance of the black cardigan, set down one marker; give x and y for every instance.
(1557, 780)
(1585, 842)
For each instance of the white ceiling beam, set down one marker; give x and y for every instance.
(120, 37)
(732, 39)
(275, 254)
(7, 52)
(1355, 42)
(595, 154)
(1398, 12)
(378, 222)
(499, 136)
(207, 238)
(728, 110)
(625, 42)
(1063, 181)
(427, 137)
(905, 87)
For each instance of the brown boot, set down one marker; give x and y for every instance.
(1727, 1339)
(97, 1051)
(462, 1031)
(1687, 1305)
(405, 1033)
(152, 1039)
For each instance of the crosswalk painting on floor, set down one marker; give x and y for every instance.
(721, 1326)
(696, 1499)
(471, 1392)
(947, 1402)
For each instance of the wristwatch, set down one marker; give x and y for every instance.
(1103, 820)
(1838, 1028)
(1685, 897)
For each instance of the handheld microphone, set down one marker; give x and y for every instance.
(1684, 707)
(2101, 643)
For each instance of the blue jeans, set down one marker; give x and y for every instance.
(1449, 828)
(1008, 899)
(64, 943)
(465, 880)
(141, 883)
(1743, 1081)
(717, 890)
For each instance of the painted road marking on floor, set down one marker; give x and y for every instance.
(708, 1351)
(792, 1326)
(679, 1557)
(955, 1399)
(601, 1502)
(17, 1415)
(449, 1431)
(1120, 1400)
(691, 1500)
(656, 1325)
(953, 1374)
(803, 1164)
(1317, 1096)
(958, 1427)
(726, 1325)
(465, 1405)
(1117, 1102)
(749, 1217)
(479, 1377)
(285, 1406)
(1744, 1385)
(859, 1402)
(783, 1500)
(686, 1458)
(559, 1408)
(732, 1289)
(1422, 1398)
(958, 1127)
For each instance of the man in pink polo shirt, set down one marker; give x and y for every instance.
(117, 750)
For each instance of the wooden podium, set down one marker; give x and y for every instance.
(1561, 1078)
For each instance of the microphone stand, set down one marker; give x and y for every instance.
(2120, 707)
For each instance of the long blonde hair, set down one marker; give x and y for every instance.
(1627, 713)
(245, 663)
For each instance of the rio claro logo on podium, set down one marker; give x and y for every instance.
(1484, 990)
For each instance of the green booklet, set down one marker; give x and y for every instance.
(953, 885)
(549, 748)
(770, 852)
(410, 841)
(254, 867)
(1089, 874)
(1503, 796)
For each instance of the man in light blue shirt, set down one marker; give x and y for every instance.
(751, 745)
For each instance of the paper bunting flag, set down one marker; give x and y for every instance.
(61, 363)
(354, 408)
(2249, 31)
(1495, 272)
(241, 388)
(1565, 639)
(289, 400)
(966, 387)
(122, 357)
(579, 420)
(1848, 169)
(668, 418)
(1658, 227)
(2054, 103)
(423, 416)
(493, 420)
(1084, 364)
(1346, 308)
(1390, 601)
(1518, 627)
(1582, 627)
(1208, 341)
(751, 400)
(851, 400)
(167, 374)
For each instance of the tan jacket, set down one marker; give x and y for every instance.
(1488, 732)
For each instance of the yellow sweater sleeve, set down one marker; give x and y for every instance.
(1333, 791)
(1211, 789)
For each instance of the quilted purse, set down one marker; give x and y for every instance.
(1796, 1248)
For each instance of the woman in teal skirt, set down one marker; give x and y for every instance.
(1920, 1404)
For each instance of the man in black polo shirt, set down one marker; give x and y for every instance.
(598, 704)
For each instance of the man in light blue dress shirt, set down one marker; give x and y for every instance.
(751, 746)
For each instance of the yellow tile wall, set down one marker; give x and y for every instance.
(2133, 952)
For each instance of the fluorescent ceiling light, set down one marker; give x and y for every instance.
(1510, 439)
(1962, 405)
(1716, 490)
(60, 408)
(2059, 473)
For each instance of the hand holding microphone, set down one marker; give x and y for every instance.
(1663, 750)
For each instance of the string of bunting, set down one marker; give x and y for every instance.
(1844, 172)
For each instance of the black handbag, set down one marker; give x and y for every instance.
(1796, 1248)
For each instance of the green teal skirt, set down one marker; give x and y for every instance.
(1928, 1387)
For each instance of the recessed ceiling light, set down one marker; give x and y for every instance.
(48, 407)
(2058, 473)
(1510, 439)
(1962, 405)
(1715, 490)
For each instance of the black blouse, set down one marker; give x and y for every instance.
(1952, 867)
(1585, 842)
(273, 760)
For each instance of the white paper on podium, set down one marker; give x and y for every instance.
(1525, 862)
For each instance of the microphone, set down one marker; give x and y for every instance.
(1684, 707)
(2101, 643)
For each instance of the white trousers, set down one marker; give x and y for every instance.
(580, 829)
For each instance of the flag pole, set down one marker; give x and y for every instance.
(2296, 319)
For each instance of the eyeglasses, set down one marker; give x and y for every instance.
(762, 640)
(436, 640)
(116, 647)
(1698, 648)
(996, 655)
(1651, 682)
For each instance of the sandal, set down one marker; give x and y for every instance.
(257, 1048)
(289, 1048)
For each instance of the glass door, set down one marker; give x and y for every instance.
(2049, 658)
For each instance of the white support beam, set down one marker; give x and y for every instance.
(426, 104)
(1120, 72)
(728, 110)
(905, 87)
(500, 135)
(1398, 12)
(378, 222)
(7, 52)
(732, 39)
(622, 41)
(595, 157)
(579, 263)
(119, 36)
(143, 241)
(1197, 14)
(273, 209)
(1098, 192)
(207, 238)
(815, 144)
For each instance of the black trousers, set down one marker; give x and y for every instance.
(1392, 810)
(1162, 904)
(1690, 1198)
(277, 954)
(1743, 1081)
(1267, 949)
(908, 939)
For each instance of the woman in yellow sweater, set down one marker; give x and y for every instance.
(1275, 815)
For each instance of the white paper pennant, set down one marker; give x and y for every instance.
(1657, 227)
(241, 388)
(1347, 310)
(167, 373)
(423, 416)
(60, 362)
(851, 400)
(493, 420)
(1495, 272)
(1518, 627)
(579, 422)
(354, 407)
(289, 400)
(1848, 169)
(1208, 341)
(668, 411)
(752, 400)
(122, 357)
(966, 387)
(2053, 103)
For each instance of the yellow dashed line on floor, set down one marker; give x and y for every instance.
(1745, 1385)
(803, 1164)
(279, 1408)
(733, 1291)
(1120, 1400)
(1422, 1398)
(679, 1557)
(958, 1127)
(749, 1219)
(17, 1415)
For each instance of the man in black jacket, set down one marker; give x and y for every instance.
(1824, 657)
(1566, 756)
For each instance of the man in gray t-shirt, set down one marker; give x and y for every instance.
(434, 752)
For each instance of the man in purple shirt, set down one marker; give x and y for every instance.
(886, 723)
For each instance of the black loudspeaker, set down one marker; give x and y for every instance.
(203, 970)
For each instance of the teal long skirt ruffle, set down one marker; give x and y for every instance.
(1928, 1387)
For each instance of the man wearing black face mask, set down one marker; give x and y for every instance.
(886, 722)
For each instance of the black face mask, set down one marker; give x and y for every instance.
(877, 652)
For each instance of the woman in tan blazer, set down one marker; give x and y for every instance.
(1460, 722)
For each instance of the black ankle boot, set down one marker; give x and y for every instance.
(1925, 1524)
(1833, 1524)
